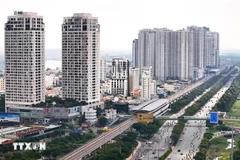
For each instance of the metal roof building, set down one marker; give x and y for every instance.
(158, 107)
(143, 105)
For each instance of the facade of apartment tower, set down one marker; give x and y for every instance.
(182, 54)
(120, 78)
(134, 78)
(80, 58)
(199, 39)
(168, 52)
(24, 60)
(148, 87)
(103, 69)
(212, 49)
(135, 55)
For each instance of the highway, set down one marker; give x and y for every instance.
(88, 148)
(161, 140)
(194, 130)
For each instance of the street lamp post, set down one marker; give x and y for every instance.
(232, 145)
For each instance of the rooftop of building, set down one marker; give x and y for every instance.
(142, 105)
(83, 15)
(155, 105)
(24, 14)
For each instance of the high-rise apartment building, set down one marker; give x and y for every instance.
(184, 47)
(168, 52)
(152, 51)
(162, 55)
(146, 46)
(134, 79)
(135, 56)
(148, 86)
(103, 71)
(178, 54)
(24, 60)
(199, 36)
(212, 49)
(120, 77)
(81, 58)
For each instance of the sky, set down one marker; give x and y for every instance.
(121, 20)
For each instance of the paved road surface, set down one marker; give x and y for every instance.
(188, 144)
(162, 140)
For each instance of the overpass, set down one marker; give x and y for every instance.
(196, 118)
(94, 144)
(188, 89)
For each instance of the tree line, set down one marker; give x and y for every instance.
(119, 150)
(178, 105)
(204, 146)
(178, 128)
(228, 99)
(147, 130)
(57, 147)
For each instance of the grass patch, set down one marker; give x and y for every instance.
(218, 148)
(234, 112)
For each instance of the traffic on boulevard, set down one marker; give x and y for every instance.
(190, 138)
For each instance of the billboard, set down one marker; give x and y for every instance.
(58, 112)
(37, 114)
(144, 117)
(9, 117)
(25, 114)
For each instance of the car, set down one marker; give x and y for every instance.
(169, 158)
(181, 153)
(179, 150)
(149, 142)
(153, 152)
(2, 119)
(180, 139)
(183, 133)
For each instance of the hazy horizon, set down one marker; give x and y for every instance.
(107, 50)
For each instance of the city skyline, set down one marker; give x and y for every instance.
(182, 14)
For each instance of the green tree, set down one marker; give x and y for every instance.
(200, 156)
(236, 155)
(82, 119)
(102, 121)
(108, 104)
(99, 111)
